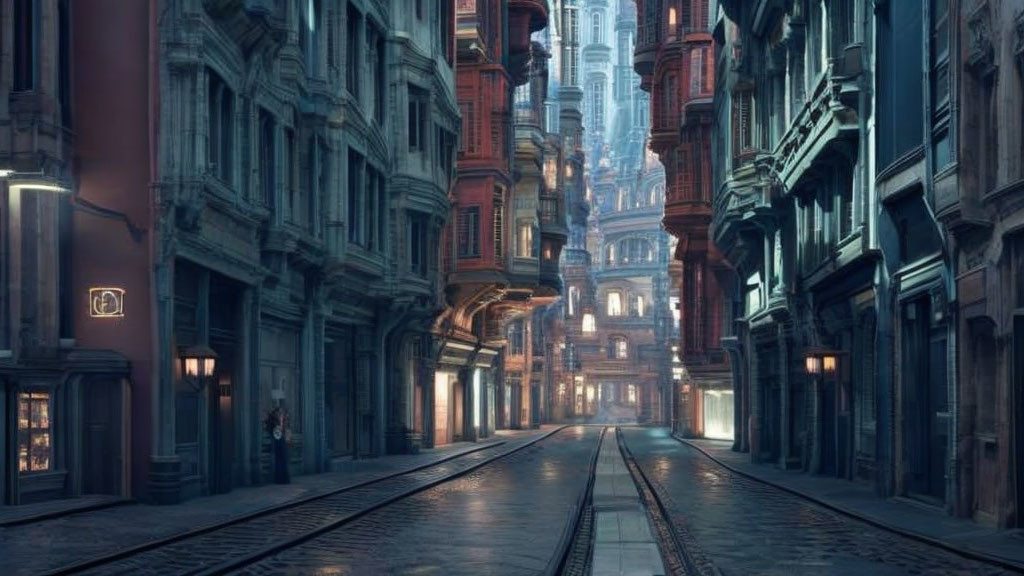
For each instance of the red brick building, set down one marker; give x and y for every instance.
(674, 56)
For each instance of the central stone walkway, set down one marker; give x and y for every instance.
(623, 543)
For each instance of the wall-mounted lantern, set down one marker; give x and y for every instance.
(820, 361)
(197, 364)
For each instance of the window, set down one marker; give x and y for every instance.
(295, 207)
(589, 326)
(697, 71)
(615, 303)
(743, 132)
(528, 246)
(374, 210)
(469, 232)
(596, 33)
(498, 223)
(26, 32)
(516, 338)
(417, 119)
(619, 348)
(34, 432)
(470, 128)
(598, 104)
(268, 160)
(352, 52)
(309, 39)
(419, 9)
(419, 243)
(446, 29)
(376, 64)
(609, 254)
(816, 46)
(900, 54)
(219, 145)
(356, 202)
(636, 306)
(574, 299)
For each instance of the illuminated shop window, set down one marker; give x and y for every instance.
(33, 432)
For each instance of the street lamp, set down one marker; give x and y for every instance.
(39, 181)
(197, 364)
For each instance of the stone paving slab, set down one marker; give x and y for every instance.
(859, 500)
(743, 526)
(75, 537)
(623, 543)
(27, 513)
(504, 519)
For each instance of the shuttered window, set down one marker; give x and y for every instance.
(469, 232)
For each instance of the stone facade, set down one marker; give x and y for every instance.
(675, 58)
(866, 192)
(981, 208)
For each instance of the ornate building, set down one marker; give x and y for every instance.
(298, 158)
(615, 314)
(675, 59)
(980, 205)
(508, 187)
(65, 399)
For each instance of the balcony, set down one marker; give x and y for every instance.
(742, 204)
(535, 10)
(648, 39)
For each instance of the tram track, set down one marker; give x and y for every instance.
(679, 549)
(248, 538)
(576, 545)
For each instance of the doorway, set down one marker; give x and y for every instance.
(340, 404)
(102, 457)
(442, 411)
(925, 419)
(828, 427)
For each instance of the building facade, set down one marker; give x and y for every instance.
(980, 208)
(64, 398)
(866, 193)
(258, 239)
(675, 58)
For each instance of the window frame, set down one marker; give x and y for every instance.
(29, 431)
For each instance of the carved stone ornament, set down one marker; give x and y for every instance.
(981, 54)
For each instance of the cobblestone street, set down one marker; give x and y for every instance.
(504, 508)
(745, 527)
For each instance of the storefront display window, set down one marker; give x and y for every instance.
(34, 432)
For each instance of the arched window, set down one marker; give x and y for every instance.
(609, 254)
(597, 32)
(574, 299)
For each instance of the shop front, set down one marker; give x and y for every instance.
(66, 427)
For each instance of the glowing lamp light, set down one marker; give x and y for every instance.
(829, 364)
(199, 362)
(813, 364)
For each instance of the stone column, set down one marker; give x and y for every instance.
(785, 386)
(164, 482)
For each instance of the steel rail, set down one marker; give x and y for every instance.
(105, 559)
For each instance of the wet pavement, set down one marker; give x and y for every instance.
(45, 545)
(747, 527)
(505, 519)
